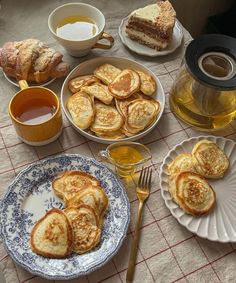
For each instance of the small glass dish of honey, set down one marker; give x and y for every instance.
(126, 156)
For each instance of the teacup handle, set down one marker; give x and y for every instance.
(108, 37)
(23, 84)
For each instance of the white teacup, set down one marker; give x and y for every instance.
(80, 48)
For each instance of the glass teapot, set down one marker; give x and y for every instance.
(204, 92)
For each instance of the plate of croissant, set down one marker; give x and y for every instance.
(31, 60)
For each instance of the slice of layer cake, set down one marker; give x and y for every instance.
(152, 25)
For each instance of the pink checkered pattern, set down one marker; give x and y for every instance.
(167, 251)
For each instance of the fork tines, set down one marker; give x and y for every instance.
(145, 177)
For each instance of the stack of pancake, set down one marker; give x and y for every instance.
(188, 185)
(113, 103)
(76, 228)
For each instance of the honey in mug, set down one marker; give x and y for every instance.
(76, 27)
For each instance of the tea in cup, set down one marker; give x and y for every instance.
(36, 115)
(78, 28)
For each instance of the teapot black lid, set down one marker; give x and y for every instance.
(217, 49)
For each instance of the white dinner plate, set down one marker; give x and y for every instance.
(87, 68)
(30, 195)
(15, 83)
(220, 224)
(145, 50)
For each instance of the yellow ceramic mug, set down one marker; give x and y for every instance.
(36, 114)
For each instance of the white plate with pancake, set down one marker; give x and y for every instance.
(30, 195)
(145, 50)
(220, 224)
(87, 68)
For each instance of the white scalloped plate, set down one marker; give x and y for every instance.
(220, 224)
(145, 50)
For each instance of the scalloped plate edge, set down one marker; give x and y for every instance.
(163, 188)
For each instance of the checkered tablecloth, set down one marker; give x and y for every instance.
(167, 251)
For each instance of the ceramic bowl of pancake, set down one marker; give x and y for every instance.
(109, 99)
(198, 185)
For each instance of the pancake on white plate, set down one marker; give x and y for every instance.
(125, 84)
(140, 114)
(77, 83)
(99, 91)
(182, 162)
(194, 194)
(148, 84)
(106, 73)
(107, 118)
(80, 106)
(209, 160)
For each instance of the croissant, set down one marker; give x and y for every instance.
(32, 60)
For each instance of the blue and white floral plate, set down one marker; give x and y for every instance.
(30, 195)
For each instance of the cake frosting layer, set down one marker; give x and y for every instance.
(143, 38)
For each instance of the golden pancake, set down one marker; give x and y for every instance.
(68, 184)
(107, 118)
(182, 162)
(194, 194)
(99, 91)
(157, 103)
(210, 161)
(121, 104)
(172, 187)
(52, 235)
(126, 132)
(77, 83)
(140, 114)
(81, 110)
(125, 84)
(118, 134)
(92, 196)
(148, 84)
(85, 224)
(106, 73)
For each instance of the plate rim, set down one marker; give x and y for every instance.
(104, 140)
(164, 52)
(197, 138)
(64, 277)
(11, 81)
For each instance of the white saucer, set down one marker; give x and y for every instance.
(145, 50)
(15, 83)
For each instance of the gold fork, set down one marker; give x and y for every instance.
(143, 191)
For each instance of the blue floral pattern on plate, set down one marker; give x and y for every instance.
(30, 195)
